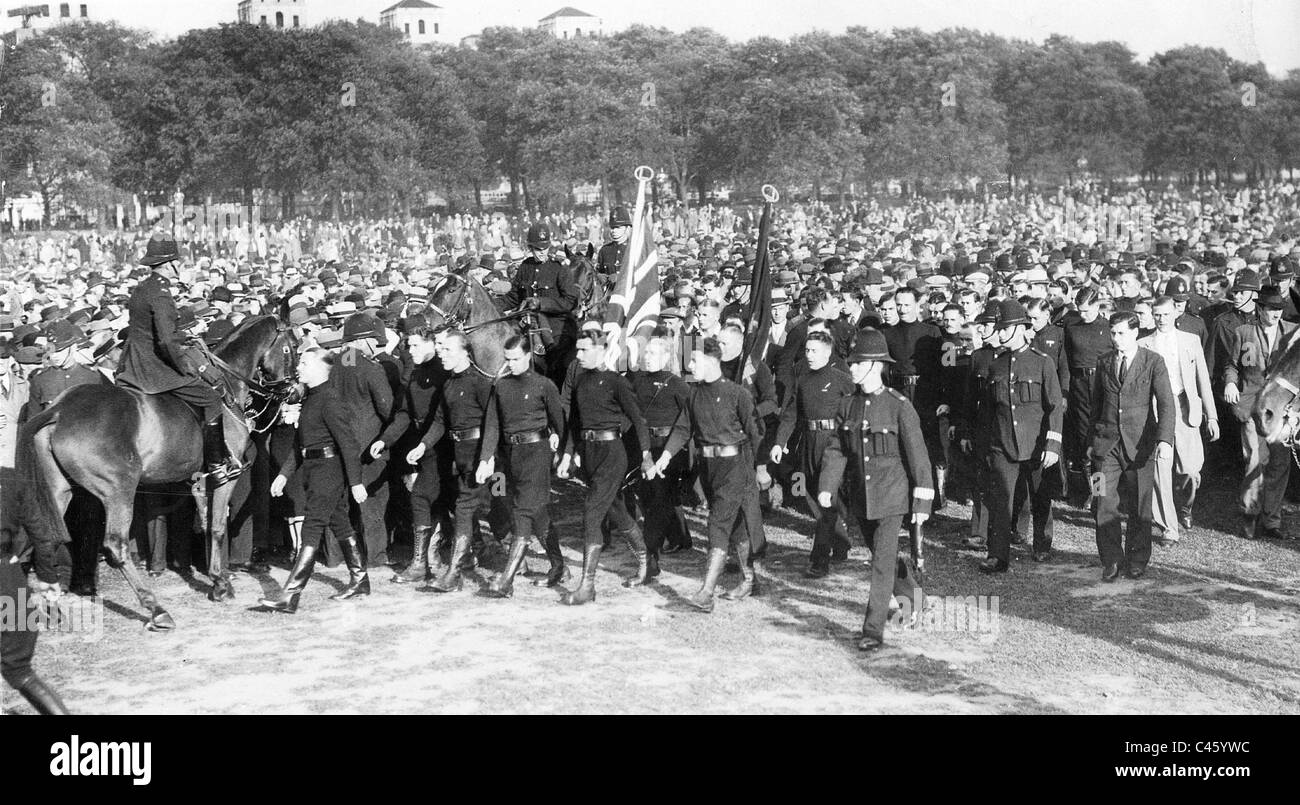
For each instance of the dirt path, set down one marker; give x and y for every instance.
(1213, 629)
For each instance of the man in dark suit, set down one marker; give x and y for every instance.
(1127, 435)
(1255, 349)
(367, 396)
(154, 359)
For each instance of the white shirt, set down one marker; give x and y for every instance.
(1166, 346)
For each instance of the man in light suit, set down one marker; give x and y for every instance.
(1178, 478)
(1133, 427)
(1253, 351)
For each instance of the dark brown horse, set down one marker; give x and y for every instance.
(1276, 412)
(114, 440)
(593, 288)
(463, 303)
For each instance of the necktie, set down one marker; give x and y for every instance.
(1123, 368)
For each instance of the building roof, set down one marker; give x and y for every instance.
(567, 11)
(409, 4)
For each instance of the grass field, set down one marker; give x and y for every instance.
(1213, 628)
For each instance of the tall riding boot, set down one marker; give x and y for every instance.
(359, 579)
(303, 566)
(418, 570)
(586, 590)
(295, 537)
(42, 697)
(503, 586)
(451, 579)
(703, 598)
(558, 574)
(636, 541)
(746, 585)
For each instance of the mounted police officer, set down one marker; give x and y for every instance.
(154, 360)
(609, 261)
(545, 286)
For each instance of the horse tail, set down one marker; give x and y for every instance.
(29, 497)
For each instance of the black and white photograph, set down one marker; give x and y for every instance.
(732, 358)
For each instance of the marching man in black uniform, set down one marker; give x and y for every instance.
(329, 457)
(1019, 434)
(458, 412)
(665, 401)
(610, 258)
(527, 421)
(604, 407)
(1087, 338)
(878, 457)
(415, 407)
(726, 430)
(812, 407)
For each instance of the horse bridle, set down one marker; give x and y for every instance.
(450, 317)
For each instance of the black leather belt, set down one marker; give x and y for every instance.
(466, 435)
(527, 437)
(909, 380)
(821, 424)
(600, 435)
(319, 452)
(661, 433)
(719, 450)
(1083, 372)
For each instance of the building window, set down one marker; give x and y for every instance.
(279, 19)
(421, 27)
(566, 34)
(435, 27)
(295, 20)
(65, 10)
(84, 12)
(264, 19)
(577, 33)
(406, 27)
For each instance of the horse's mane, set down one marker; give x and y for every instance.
(246, 330)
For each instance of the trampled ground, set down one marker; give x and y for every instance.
(1214, 628)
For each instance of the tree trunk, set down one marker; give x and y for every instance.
(523, 184)
(248, 207)
(478, 196)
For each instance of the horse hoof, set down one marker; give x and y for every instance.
(161, 622)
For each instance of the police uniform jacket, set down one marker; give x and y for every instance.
(552, 284)
(153, 360)
(879, 465)
(609, 260)
(1250, 361)
(1021, 412)
(50, 382)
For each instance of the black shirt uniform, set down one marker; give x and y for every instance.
(460, 412)
(812, 409)
(527, 411)
(1085, 343)
(604, 407)
(726, 429)
(665, 402)
(327, 455)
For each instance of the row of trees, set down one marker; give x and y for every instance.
(90, 110)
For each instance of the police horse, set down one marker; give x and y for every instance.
(114, 440)
(1276, 413)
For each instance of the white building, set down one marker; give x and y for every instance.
(420, 22)
(274, 13)
(570, 23)
(40, 16)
